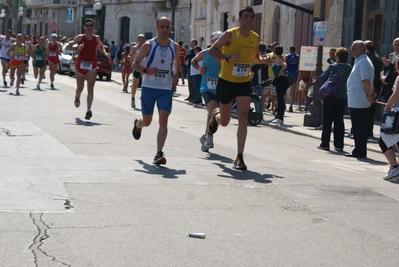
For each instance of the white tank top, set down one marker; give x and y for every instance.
(162, 58)
(4, 47)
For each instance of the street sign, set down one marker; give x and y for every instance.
(308, 58)
(53, 26)
(319, 33)
(69, 15)
(28, 21)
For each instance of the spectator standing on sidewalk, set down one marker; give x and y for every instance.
(196, 79)
(281, 83)
(260, 73)
(119, 52)
(360, 97)
(237, 49)
(161, 72)
(292, 60)
(377, 64)
(189, 57)
(210, 71)
(5, 43)
(388, 75)
(334, 106)
(182, 54)
(112, 53)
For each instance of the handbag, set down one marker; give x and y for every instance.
(390, 122)
(329, 87)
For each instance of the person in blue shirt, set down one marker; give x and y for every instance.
(292, 60)
(112, 52)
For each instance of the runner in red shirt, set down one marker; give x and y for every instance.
(53, 51)
(182, 55)
(86, 64)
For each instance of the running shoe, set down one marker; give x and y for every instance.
(89, 114)
(23, 80)
(17, 91)
(52, 86)
(38, 87)
(5, 83)
(277, 121)
(12, 82)
(392, 173)
(204, 147)
(133, 104)
(136, 131)
(239, 163)
(159, 159)
(213, 124)
(77, 102)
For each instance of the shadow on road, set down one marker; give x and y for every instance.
(160, 170)
(246, 175)
(80, 122)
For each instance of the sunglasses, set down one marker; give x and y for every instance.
(89, 25)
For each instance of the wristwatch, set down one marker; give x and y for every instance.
(227, 57)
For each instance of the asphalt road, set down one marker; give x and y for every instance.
(84, 193)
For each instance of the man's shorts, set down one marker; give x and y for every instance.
(208, 97)
(39, 64)
(6, 59)
(150, 95)
(227, 91)
(136, 74)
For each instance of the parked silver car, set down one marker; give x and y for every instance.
(65, 57)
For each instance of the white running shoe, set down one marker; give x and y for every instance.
(392, 173)
(37, 87)
(277, 121)
(17, 91)
(204, 147)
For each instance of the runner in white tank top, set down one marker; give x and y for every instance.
(5, 43)
(161, 72)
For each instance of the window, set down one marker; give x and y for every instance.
(257, 2)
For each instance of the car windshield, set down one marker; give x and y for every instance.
(67, 52)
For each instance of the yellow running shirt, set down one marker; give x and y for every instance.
(239, 70)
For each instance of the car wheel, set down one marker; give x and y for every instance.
(109, 77)
(69, 72)
(59, 71)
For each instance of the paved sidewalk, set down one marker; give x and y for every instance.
(293, 121)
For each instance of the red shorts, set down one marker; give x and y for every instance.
(53, 60)
(127, 69)
(84, 67)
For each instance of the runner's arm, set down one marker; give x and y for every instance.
(176, 65)
(102, 47)
(198, 58)
(11, 48)
(144, 51)
(75, 40)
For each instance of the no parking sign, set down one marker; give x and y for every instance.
(53, 26)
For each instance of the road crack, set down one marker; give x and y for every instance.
(41, 258)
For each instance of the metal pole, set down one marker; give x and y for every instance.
(172, 32)
(314, 119)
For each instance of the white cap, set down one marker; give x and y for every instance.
(216, 35)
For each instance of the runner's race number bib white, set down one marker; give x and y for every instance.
(18, 57)
(39, 57)
(212, 83)
(159, 75)
(52, 54)
(240, 69)
(85, 65)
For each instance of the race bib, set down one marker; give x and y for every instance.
(240, 69)
(160, 75)
(84, 65)
(212, 82)
(52, 54)
(18, 57)
(39, 57)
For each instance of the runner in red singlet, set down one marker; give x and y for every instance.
(86, 64)
(53, 50)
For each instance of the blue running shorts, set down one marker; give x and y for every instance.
(149, 96)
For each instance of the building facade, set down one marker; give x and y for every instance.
(347, 20)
